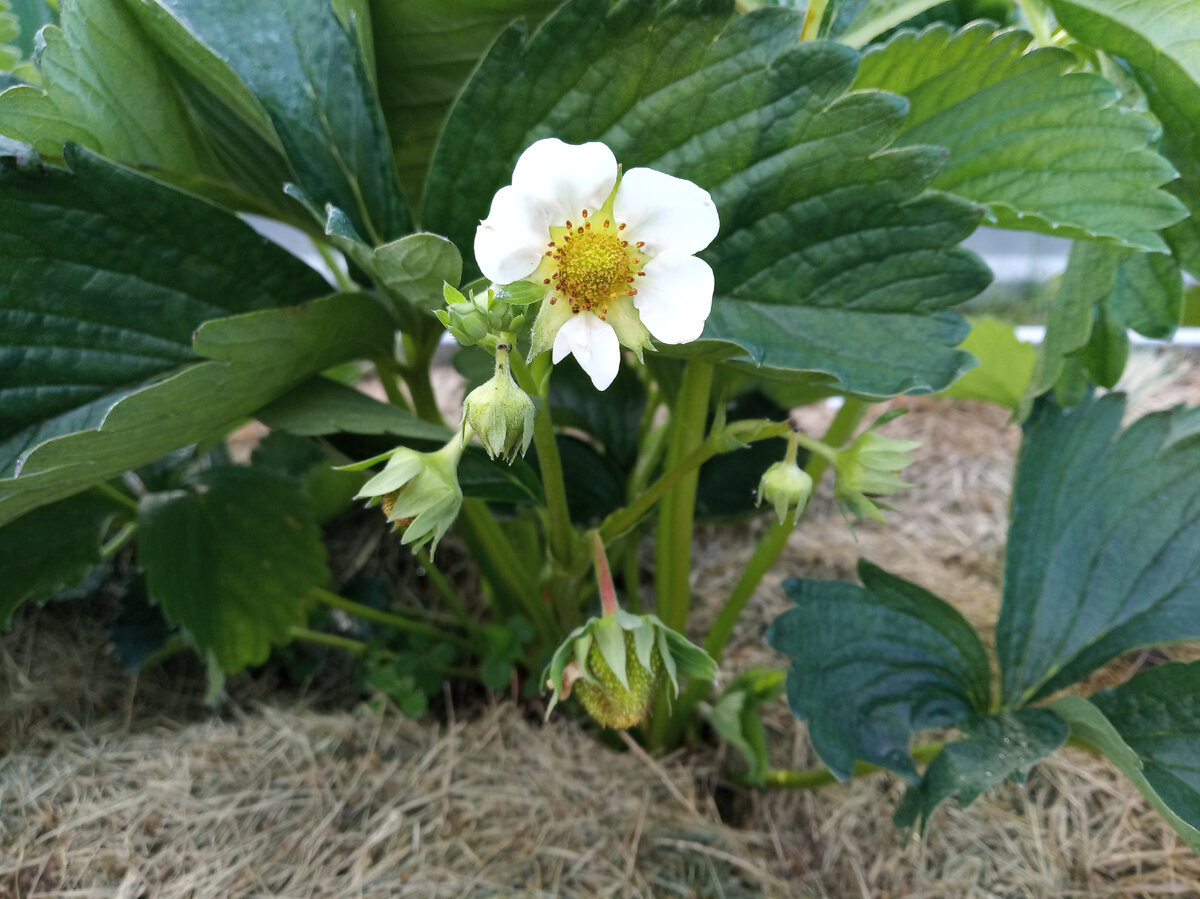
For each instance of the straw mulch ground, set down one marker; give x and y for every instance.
(111, 787)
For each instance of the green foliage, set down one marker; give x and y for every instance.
(873, 665)
(736, 716)
(109, 274)
(253, 359)
(997, 747)
(50, 549)
(1101, 551)
(792, 160)
(231, 560)
(1161, 42)
(1046, 148)
(321, 406)
(1090, 727)
(310, 76)
(1005, 365)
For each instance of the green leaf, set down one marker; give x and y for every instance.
(50, 549)
(612, 416)
(874, 664)
(31, 16)
(320, 406)
(1005, 365)
(140, 118)
(833, 264)
(997, 747)
(427, 51)
(1102, 546)
(255, 358)
(109, 274)
(231, 561)
(736, 718)
(858, 23)
(1090, 277)
(1161, 41)
(1046, 148)
(1090, 727)
(1157, 713)
(309, 74)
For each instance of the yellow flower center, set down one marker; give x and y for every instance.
(592, 264)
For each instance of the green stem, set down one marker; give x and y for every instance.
(623, 519)
(339, 274)
(390, 619)
(357, 647)
(673, 549)
(444, 588)
(765, 555)
(1035, 12)
(560, 535)
(496, 557)
(604, 580)
(820, 777)
(841, 429)
(388, 371)
(119, 539)
(812, 20)
(120, 498)
(416, 375)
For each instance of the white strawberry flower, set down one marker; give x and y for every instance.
(615, 253)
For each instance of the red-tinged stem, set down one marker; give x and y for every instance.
(604, 579)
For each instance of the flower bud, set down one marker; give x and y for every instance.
(500, 413)
(870, 467)
(466, 319)
(614, 664)
(786, 486)
(419, 492)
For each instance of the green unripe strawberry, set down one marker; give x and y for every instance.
(614, 663)
(606, 699)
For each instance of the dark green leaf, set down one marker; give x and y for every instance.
(426, 52)
(231, 561)
(1148, 295)
(329, 490)
(832, 263)
(1091, 727)
(108, 275)
(1107, 350)
(50, 549)
(1162, 41)
(1102, 547)
(320, 406)
(1157, 713)
(496, 481)
(256, 357)
(874, 664)
(1045, 147)
(728, 483)
(309, 74)
(997, 747)
(31, 16)
(139, 632)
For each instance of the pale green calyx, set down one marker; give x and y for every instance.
(869, 467)
(615, 662)
(418, 492)
(500, 413)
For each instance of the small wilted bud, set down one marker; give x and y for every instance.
(785, 485)
(500, 413)
(614, 664)
(418, 492)
(870, 467)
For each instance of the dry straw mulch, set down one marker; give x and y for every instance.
(112, 787)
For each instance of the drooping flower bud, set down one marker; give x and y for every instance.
(614, 664)
(785, 485)
(418, 492)
(500, 413)
(870, 467)
(487, 319)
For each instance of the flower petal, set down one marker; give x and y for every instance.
(675, 297)
(566, 178)
(670, 214)
(510, 242)
(594, 345)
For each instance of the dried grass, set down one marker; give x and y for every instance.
(116, 788)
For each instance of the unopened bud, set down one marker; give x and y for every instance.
(869, 467)
(786, 486)
(501, 413)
